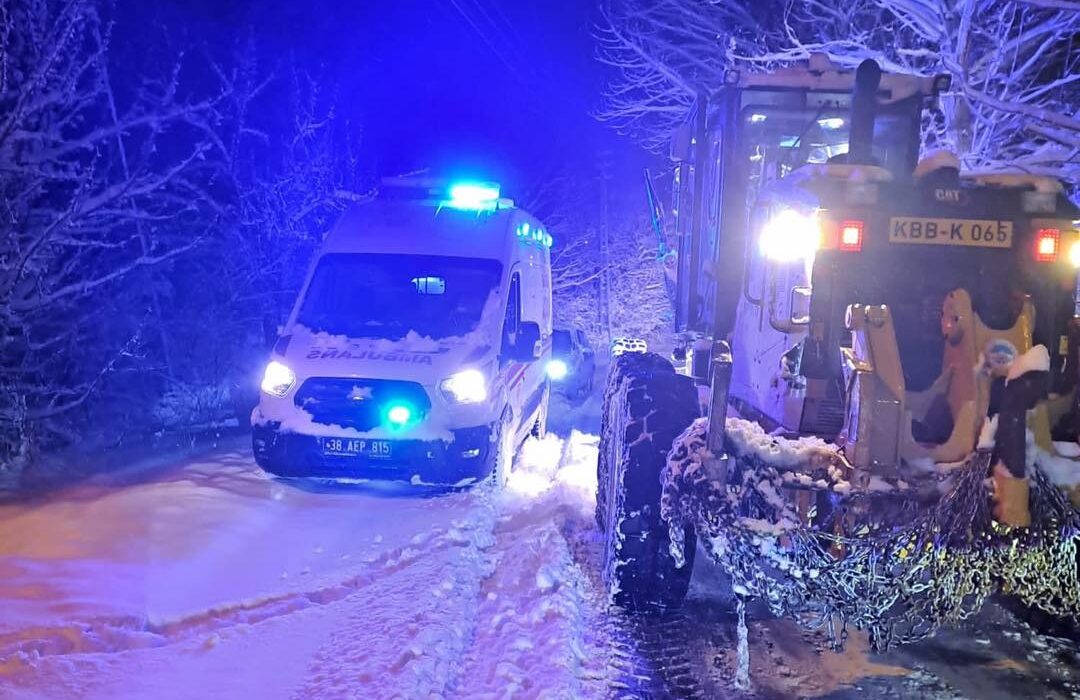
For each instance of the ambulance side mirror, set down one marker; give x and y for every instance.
(526, 347)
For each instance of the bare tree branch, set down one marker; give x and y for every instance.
(1014, 64)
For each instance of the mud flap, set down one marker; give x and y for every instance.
(1009, 473)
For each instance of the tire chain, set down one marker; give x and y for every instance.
(911, 567)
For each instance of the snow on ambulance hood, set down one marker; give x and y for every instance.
(412, 358)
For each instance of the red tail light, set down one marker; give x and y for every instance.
(851, 235)
(1047, 244)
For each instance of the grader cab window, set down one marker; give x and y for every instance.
(785, 130)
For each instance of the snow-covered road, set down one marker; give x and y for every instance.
(212, 580)
(204, 578)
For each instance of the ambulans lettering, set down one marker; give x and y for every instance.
(416, 358)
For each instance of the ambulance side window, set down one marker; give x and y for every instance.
(513, 313)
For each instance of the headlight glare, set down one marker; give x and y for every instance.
(1074, 254)
(557, 369)
(466, 386)
(277, 379)
(790, 236)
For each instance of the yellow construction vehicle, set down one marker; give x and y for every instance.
(881, 352)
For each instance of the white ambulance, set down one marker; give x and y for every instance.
(418, 346)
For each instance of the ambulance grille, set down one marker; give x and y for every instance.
(357, 403)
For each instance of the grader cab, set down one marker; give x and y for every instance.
(881, 336)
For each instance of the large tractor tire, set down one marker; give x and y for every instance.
(646, 406)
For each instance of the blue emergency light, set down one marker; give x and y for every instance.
(398, 415)
(478, 196)
(465, 195)
(538, 236)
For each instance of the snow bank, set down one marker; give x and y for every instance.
(1062, 469)
(553, 468)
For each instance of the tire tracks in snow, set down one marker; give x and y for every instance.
(494, 605)
(114, 634)
(377, 651)
(535, 622)
(647, 656)
(511, 615)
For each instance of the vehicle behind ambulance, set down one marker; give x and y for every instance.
(418, 345)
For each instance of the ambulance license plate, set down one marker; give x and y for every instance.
(356, 447)
(971, 232)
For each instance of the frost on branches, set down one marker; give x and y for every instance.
(89, 199)
(1015, 65)
(607, 276)
(144, 192)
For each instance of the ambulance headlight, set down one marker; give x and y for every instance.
(466, 386)
(790, 236)
(277, 379)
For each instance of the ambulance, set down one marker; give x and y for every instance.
(418, 346)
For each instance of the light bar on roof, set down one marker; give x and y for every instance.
(479, 196)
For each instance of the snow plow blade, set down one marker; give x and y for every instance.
(788, 526)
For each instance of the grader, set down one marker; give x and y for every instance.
(878, 418)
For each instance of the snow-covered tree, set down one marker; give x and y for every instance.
(158, 206)
(98, 183)
(1015, 64)
(291, 166)
(606, 276)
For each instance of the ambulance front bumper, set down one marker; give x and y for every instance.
(470, 455)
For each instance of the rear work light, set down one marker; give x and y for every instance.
(851, 236)
(1047, 244)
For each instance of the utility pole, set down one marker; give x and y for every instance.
(605, 166)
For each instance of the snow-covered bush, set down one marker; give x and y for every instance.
(186, 406)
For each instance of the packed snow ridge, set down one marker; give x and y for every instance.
(214, 580)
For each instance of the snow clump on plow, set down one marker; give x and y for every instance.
(900, 560)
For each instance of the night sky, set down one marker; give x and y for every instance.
(478, 87)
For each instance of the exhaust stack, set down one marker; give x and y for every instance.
(863, 111)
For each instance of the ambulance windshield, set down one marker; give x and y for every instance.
(387, 296)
